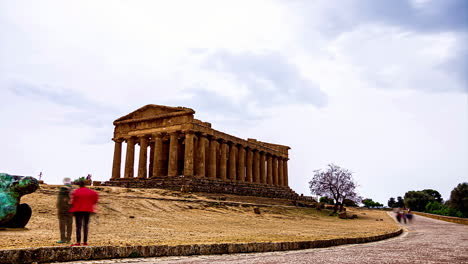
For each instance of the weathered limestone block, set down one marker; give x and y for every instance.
(96, 183)
(208, 185)
(12, 213)
(342, 215)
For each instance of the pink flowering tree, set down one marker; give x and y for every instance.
(335, 182)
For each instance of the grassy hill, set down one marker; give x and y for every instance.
(154, 216)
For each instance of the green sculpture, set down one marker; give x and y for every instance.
(12, 213)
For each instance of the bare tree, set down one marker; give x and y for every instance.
(335, 182)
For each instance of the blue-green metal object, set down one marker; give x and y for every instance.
(12, 213)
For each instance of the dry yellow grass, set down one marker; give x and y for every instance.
(160, 220)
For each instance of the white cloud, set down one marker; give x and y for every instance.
(397, 59)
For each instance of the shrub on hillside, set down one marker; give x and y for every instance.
(369, 203)
(435, 207)
(417, 200)
(348, 202)
(76, 181)
(325, 199)
(459, 199)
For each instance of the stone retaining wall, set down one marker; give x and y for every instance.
(208, 185)
(60, 254)
(457, 220)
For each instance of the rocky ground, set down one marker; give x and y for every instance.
(153, 216)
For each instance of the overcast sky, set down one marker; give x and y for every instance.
(378, 87)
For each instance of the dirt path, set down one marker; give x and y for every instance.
(427, 241)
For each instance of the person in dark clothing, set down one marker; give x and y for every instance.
(83, 203)
(64, 215)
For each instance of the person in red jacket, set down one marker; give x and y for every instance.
(83, 202)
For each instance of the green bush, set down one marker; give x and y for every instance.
(417, 200)
(459, 198)
(76, 181)
(437, 208)
(348, 202)
(369, 203)
(325, 199)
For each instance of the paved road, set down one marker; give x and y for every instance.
(427, 241)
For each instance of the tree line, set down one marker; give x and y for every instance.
(430, 201)
(337, 187)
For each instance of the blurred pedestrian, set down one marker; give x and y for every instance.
(63, 208)
(83, 203)
(409, 215)
(396, 211)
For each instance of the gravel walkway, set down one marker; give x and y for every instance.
(427, 241)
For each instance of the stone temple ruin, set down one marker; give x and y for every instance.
(187, 153)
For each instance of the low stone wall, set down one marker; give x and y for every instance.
(208, 185)
(457, 220)
(60, 254)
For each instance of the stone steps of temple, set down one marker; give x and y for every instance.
(207, 185)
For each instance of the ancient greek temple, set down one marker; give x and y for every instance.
(175, 149)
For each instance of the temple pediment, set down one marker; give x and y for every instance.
(153, 111)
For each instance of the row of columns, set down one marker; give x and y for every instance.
(235, 162)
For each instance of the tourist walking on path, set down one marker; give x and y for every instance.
(63, 208)
(83, 203)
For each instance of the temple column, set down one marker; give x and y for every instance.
(232, 162)
(173, 144)
(223, 160)
(212, 158)
(129, 158)
(116, 163)
(269, 170)
(275, 170)
(241, 164)
(248, 167)
(285, 172)
(201, 155)
(256, 167)
(142, 173)
(263, 176)
(157, 157)
(188, 155)
(280, 172)
(151, 160)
